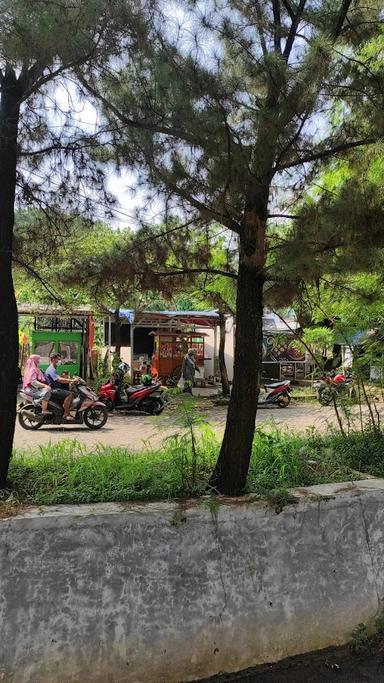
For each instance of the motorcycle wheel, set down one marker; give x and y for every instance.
(95, 418)
(157, 407)
(284, 400)
(326, 396)
(27, 422)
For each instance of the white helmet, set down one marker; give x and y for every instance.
(123, 368)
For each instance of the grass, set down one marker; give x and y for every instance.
(365, 640)
(70, 473)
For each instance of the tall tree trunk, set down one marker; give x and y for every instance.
(9, 118)
(230, 473)
(222, 364)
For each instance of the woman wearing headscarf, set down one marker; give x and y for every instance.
(34, 382)
(188, 370)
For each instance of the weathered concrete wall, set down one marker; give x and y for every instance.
(159, 593)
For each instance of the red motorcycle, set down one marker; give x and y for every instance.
(329, 387)
(277, 393)
(147, 398)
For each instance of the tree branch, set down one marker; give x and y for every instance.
(276, 26)
(322, 154)
(344, 9)
(191, 271)
(283, 215)
(292, 31)
(259, 24)
(37, 277)
(140, 125)
(289, 8)
(205, 211)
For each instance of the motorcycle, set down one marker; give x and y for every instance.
(147, 398)
(330, 386)
(88, 410)
(277, 393)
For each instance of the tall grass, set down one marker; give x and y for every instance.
(69, 472)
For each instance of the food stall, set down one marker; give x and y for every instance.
(69, 333)
(170, 349)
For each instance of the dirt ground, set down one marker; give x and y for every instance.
(336, 666)
(134, 432)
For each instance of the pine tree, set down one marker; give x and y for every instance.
(221, 111)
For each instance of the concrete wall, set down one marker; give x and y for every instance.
(209, 343)
(162, 593)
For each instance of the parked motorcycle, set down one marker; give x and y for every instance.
(331, 386)
(147, 398)
(88, 410)
(277, 393)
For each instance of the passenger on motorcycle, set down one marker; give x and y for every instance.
(55, 381)
(35, 384)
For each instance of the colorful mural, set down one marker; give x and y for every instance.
(278, 348)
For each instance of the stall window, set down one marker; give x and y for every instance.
(69, 352)
(44, 350)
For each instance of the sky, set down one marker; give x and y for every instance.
(80, 114)
(65, 107)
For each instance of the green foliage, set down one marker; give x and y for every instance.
(362, 451)
(360, 641)
(365, 640)
(319, 339)
(69, 472)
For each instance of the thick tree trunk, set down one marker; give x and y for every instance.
(223, 368)
(9, 117)
(230, 473)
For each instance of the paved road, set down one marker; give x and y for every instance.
(133, 431)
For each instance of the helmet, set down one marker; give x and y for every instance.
(123, 368)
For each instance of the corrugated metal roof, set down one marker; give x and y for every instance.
(57, 311)
(127, 312)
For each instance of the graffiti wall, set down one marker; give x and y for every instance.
(280, 359)
(278, 348)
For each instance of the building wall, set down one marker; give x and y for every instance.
(168, 592)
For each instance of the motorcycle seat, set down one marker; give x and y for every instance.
(274, 385)
(132, 390)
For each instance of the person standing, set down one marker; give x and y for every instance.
(55, 382)
(188, 370)
(35, 384)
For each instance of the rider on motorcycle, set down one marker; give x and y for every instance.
(55, 381)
